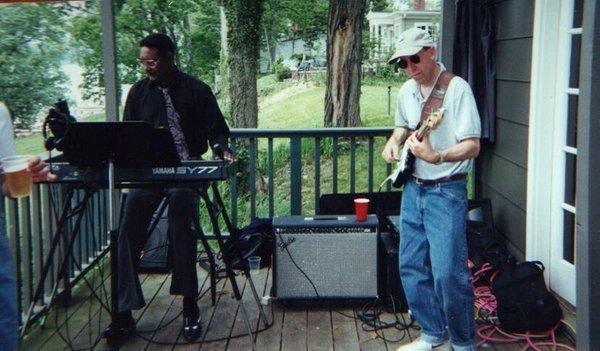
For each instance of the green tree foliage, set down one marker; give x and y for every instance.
(193, 24)
(31, 48)
(379, 5)
(305, 20)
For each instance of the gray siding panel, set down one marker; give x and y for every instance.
(513, 59)
(511, 142)
(503, 170)
(509, 219)
(507, 178)
(512, 101)
(513, 19)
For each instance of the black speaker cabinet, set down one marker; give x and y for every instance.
(334, 255)
(391, 289)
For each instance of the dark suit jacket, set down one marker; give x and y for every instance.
(201, 121)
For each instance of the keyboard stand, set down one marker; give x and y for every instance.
(216, 207)
(67, 213)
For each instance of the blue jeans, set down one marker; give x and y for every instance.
(9, 327)
(433, 261)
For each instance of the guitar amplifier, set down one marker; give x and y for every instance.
(325, 257)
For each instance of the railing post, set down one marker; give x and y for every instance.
(352, 164)
(252, 176)
(271, 178)
(233, 186)
(296, 175)
(370, 165)
(12, 220)
(389, 100)
(26, 247)
(334, 172)
(63, 298)
(317, 172)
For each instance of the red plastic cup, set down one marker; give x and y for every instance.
(361, 208)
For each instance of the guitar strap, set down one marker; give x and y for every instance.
(436, 97)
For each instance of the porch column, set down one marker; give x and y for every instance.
(588, 186)
(446, 41)
(110, 60)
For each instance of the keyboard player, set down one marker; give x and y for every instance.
(187, 107)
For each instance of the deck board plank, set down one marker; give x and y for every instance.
(293, 333)
(37, 337)
(368, 339)
(319, 330)
(171, 333)
(345, 335)
(221, 321)
(270, 339)
(293, 328)
(239, 328)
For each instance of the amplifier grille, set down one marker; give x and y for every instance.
(340, 262)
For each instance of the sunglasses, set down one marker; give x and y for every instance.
(402, 63)
(149, 63)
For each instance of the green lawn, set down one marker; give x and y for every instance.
(305, 109)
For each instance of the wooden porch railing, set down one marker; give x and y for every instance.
(279, 155)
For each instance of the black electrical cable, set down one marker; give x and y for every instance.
(167, 343)
(375, 324)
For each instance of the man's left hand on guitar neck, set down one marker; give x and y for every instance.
(423, 149)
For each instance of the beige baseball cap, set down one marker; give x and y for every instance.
(411, 41)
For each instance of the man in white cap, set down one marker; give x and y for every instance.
(433, 247)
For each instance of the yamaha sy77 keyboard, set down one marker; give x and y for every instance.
(188, 173)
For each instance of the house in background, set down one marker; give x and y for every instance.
(385, 27)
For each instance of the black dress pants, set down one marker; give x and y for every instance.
(133, 233)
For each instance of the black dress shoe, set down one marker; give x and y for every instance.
(116, 334)
(192, 328)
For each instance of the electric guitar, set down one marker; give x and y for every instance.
(406, 165)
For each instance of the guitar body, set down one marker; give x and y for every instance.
(406, 167)
(406, 164)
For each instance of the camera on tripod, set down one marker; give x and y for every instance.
(58, 120)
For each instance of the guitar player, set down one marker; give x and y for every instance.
(433, 246)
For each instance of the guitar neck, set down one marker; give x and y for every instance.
(422, 131)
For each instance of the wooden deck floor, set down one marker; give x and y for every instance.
(293, 329)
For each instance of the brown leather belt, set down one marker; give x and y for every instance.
(453, 177)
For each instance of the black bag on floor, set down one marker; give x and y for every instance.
(255, 239)
(485, 245)
(524, 302)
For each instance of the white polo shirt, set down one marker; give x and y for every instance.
(6, 132)
(460, 121)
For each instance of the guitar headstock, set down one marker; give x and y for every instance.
(435, 118)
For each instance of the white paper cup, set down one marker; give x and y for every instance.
(254, 263)
(16, 176)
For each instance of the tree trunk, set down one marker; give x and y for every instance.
(243, 21)
(344, 56)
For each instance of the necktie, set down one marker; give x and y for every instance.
(174, 126)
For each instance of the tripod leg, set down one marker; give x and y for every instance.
(261, 311)
(232, 231)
